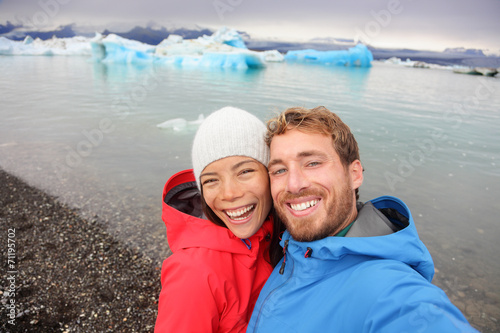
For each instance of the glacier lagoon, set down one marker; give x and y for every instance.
(88, 133)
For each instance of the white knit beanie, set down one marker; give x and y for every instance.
(228, 132)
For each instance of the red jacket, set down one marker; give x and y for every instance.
(212, 280)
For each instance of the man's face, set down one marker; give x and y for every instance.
(313, 192)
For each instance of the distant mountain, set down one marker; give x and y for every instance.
(470, 57)
(19, 32)
(464, 51)
(283, 46)
(155, 36)
(8, 27)
(149, 35)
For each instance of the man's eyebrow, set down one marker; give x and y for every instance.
(313, 152)
(302, 154)
(274, 162)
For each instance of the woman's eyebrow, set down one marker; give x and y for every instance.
(208, 174)
(239, 164)
(234, 167)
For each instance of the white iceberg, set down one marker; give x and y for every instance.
(416, 64)
(358, 56)
(273, 56)
(224, 49)
(75, 46)
(179, 124)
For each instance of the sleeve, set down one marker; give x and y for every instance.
(412, 304)
(186, 302)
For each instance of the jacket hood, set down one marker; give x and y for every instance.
(394, 237)
(186, 225)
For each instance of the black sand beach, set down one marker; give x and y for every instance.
(69, 274)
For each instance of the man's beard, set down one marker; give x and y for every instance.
(307, 229)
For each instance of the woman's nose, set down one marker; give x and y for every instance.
(231, 190)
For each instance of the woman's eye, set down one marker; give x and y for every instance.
(209, 181)
(246, 171)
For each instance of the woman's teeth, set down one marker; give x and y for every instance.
(304, 205)
(238, 214)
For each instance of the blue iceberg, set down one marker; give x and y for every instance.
(357, 56)
(224, 49)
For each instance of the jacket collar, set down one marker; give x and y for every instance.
(387, 239)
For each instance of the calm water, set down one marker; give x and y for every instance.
(87, 133)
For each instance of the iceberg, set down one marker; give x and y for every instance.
(415, 64)
(116, 49)
(357, 56)
(486, 71)
(179, 124)
(74, 46)
(273, 56)
(224, 49)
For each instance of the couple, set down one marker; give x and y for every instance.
(340, 266)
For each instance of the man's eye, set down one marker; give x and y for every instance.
(277, 172)
(313, 164)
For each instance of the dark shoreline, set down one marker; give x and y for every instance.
(70, 275)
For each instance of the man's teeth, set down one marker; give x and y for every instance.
(235, 214)
(304, 205)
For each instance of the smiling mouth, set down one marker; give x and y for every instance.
(240, 213)
(304, 205)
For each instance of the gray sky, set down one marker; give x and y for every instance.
(417, 24)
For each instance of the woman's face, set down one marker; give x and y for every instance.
(236, 188)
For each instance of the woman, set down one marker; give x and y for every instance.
(213, 278)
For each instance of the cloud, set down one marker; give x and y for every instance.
(450, 21)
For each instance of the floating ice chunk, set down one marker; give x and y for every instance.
(198, 121)
(116, 49)
(176, 124)
(6, 46)
(28, 40)
(273, 56)
(97, 47)
(237, 60)
(179, 124)
(224, 49)
(416, 64)
(229, 37)
(54, 46)
(358, 56)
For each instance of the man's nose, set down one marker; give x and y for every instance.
(297, 180)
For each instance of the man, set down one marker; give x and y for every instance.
(374, 274)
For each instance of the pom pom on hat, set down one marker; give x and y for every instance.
(228, 132)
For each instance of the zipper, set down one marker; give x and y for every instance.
(282, 269)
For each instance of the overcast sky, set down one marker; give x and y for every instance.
(417, 24)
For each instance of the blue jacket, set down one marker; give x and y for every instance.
(375, 279)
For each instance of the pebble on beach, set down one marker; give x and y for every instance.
(69, 274)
